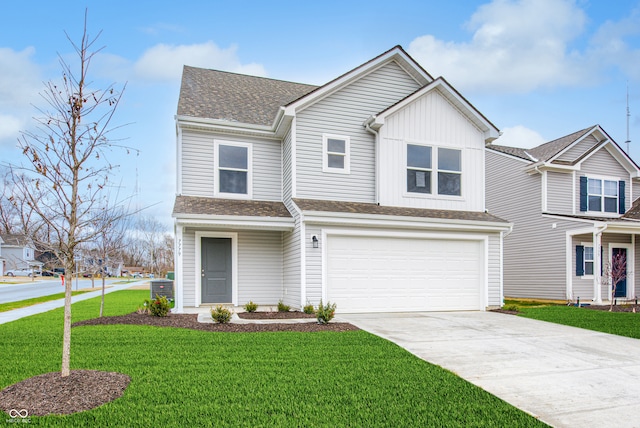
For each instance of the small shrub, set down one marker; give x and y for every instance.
(325, 313)
(308, 309)
(282, 307)
(511, 307)
(221, 315)
(160, 306)
(250, 307)
(144, 308)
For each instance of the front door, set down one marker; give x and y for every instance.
(619, 264)
(216, 285)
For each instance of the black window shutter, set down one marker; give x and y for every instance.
(583, 193)
(601, 260)
(579, 260)
(621, 204)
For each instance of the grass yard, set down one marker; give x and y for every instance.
(620, 323)
(30, 302)
(195, 378)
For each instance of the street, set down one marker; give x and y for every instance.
(43, 287)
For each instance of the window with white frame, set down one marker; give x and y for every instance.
(233, 169)
(449, 171)
(588, 260)
(422, 162)
(336, 154)
(418, 169)
(602, 195)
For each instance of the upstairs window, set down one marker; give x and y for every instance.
(602, 195)
(335, 154)
(418, 169)
(449, 171)
(233, 169)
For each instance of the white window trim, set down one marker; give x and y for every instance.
(216, 191)
(584, 260)
(603, 178)
(326, 153)
(434, 173)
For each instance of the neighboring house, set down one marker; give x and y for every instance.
(570, 202)
(367, 192)
(18, 250)
(3, 262)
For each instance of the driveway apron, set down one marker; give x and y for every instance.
(565, 376)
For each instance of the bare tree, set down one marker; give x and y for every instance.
(65, 181)
(615, 272)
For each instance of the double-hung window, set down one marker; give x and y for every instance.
(588, 260)
(233, 169)
(602, 195)
(418, 169)
(335, 154)
(423, 161)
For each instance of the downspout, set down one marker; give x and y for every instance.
(367, 126)
(503, 234)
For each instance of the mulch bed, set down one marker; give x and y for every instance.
(51, 393)
(274, 315)
(83, 390)
(190, 321)
(616, 308)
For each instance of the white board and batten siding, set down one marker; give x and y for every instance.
(431, 120)
(343, 113)
(198, 174)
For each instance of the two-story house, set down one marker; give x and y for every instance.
(570, 203)
(367, 192)
(19, 252)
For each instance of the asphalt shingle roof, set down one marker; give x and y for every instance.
(367, 208)
(233, 97)
(17, 239)
(214, 206)
(634, 212)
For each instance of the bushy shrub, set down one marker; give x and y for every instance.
(511, 307)
(250, 307)
(325, 313)
(308, 309)
(221, 315)
(160, 306)
(144, 308)
(282, 307)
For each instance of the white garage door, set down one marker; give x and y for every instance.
(380, 274)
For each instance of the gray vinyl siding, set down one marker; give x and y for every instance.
(635, 191)
(189, 267)
(603, 164)
(534, 252)
(314, 265)
(559, 191)
(494, 298)
(260, 262)
(343, 113)
(198, 174)
(579, 149)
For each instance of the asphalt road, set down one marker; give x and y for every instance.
(43, 287)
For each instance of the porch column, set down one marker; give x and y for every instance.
(597, 262)
(177, 274)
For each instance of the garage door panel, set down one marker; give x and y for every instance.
(376, 274)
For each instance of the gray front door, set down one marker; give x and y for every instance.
(216, 270)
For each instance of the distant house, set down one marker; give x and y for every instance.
(18, 251)
(367, 191)
(571, 204)
(2, 260)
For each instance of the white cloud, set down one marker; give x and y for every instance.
(517, 46)
(164, 62)
(519, 136)
(19, 88)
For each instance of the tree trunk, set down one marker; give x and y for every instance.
(66, 339)
(102, 301)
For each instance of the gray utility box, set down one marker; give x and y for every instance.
(162, 287)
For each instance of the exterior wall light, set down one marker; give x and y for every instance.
(314, 239)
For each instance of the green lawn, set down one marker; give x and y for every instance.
(620, 323)
(30, 302)
(195, 378)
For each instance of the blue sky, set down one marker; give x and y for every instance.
(538, 69)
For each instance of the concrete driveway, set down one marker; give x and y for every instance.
(566, 376)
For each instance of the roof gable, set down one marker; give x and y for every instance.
(15, 240)
(452, 96)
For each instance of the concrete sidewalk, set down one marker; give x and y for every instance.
(566, 376)
(53, 304)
